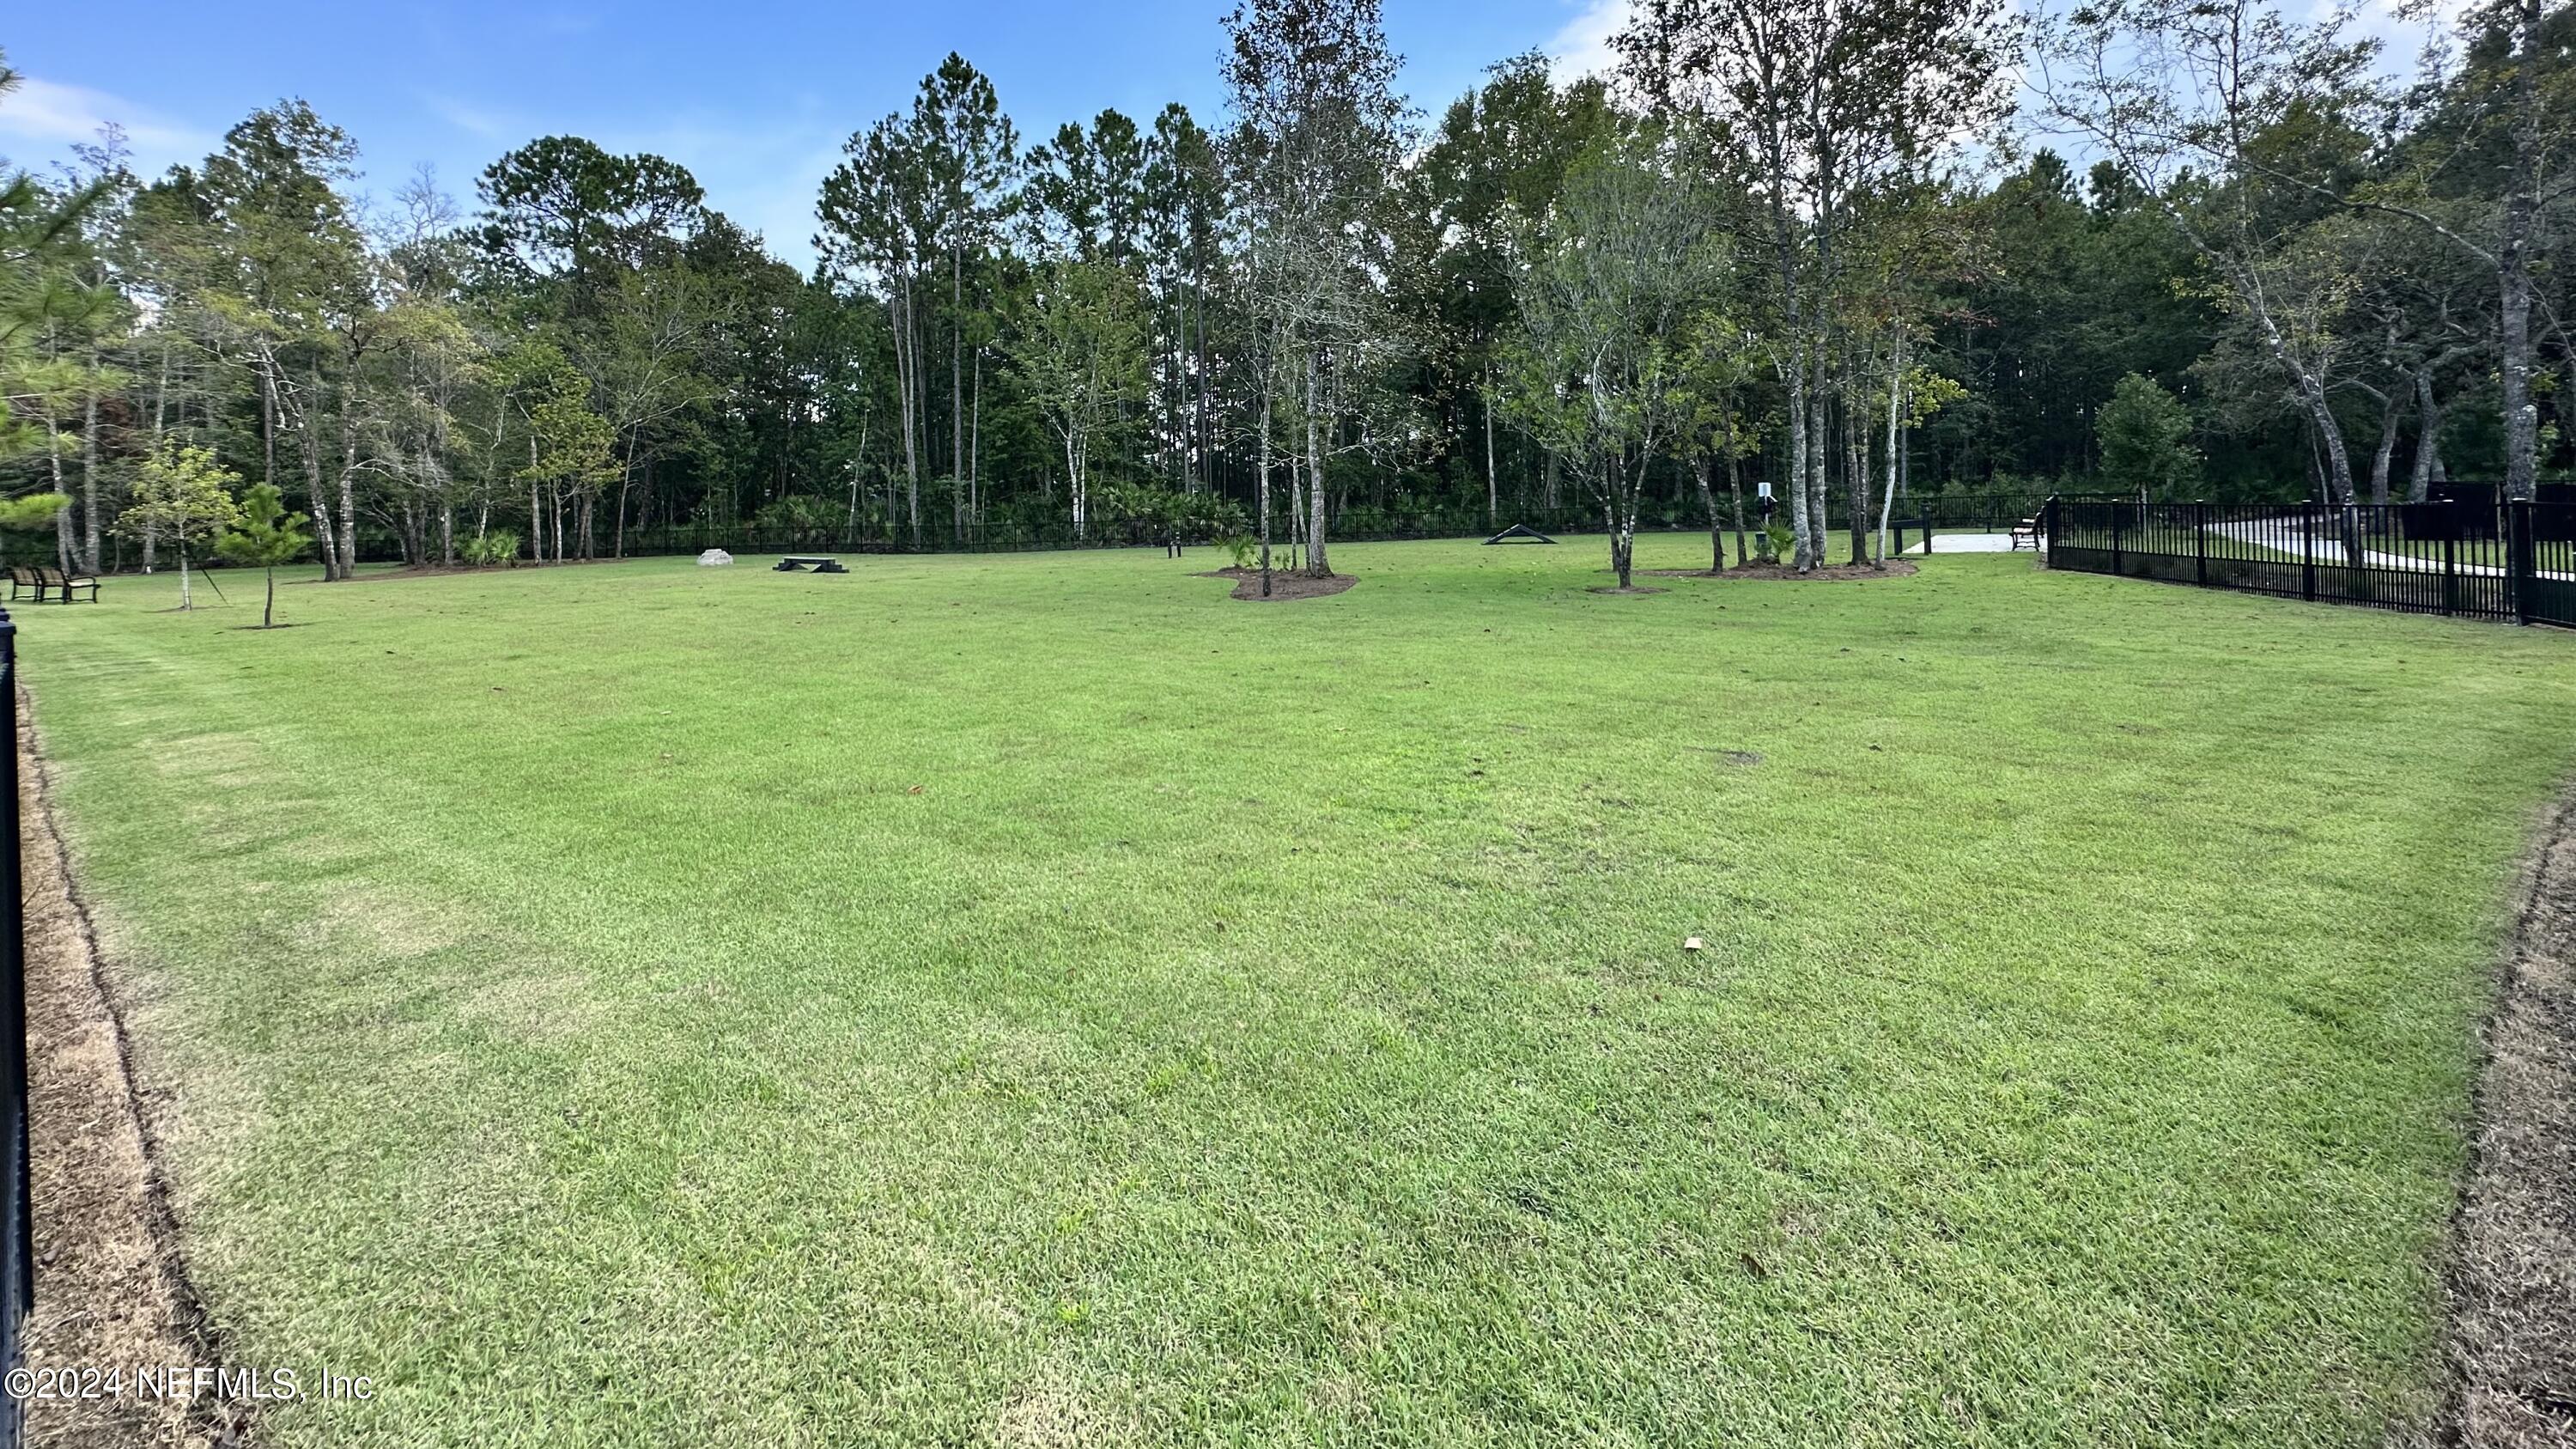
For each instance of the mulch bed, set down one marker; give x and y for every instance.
(2509, 1359)
(1897, 568)
(1283, 585)
(112, 1288)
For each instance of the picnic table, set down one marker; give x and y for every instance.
(821, 563)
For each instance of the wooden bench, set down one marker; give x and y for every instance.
(23, 581)
(2028, 528)
(55, 580)
(821, 563)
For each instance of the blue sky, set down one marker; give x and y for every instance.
(753, 96)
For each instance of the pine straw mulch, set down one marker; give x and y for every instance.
(111, 1287)
(1283, 584)
(1897, 568)
(2509, 1291)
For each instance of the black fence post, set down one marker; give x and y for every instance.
(2200, 544)
(2450, 567)
(17, 1255)
(2308, 550)
(2116, 560)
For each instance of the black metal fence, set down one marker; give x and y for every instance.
(17, 1247)
(2475, 557)
(1971, 512)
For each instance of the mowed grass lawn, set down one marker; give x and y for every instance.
(1039, 1000)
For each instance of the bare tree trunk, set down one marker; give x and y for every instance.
(2338, 469)
(268, 425)
(323, 532)
(1206, 418)
(1820, 465)
(1735, 493)
(1802, 549)
(2428, 437)
(1492, 491)
(2388, 414)
(348, 500)
(1622, 523)
(957, 390)
(1895, 398)
(1316, 565)
(63, 557)
(1716, 525)
(1261, 493)
(858, 460)
(89, 475)
(907, 373)
(1076, 487)
(2513, 258)
(1856, 474)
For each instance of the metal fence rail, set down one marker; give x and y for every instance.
(1972, 512)
(2477, 559)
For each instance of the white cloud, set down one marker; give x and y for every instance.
(468, 117)
(1582, 45)
(57, 114)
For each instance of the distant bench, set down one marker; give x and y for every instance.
(821, 564)
(50, 581)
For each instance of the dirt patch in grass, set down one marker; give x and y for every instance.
(1283, 585)
(2510, 1355)
(1897, 568)
(111, 1286)
(1631, 589)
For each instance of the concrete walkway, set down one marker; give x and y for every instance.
(1964, 543)
(2329, 549)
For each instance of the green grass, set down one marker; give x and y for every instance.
(1039, 1000)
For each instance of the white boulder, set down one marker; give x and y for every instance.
(714, 558)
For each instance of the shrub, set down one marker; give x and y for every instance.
(801, 520)
(499, 546)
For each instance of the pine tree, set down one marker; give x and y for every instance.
(266, 536)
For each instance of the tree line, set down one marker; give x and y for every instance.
(1862, 251)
